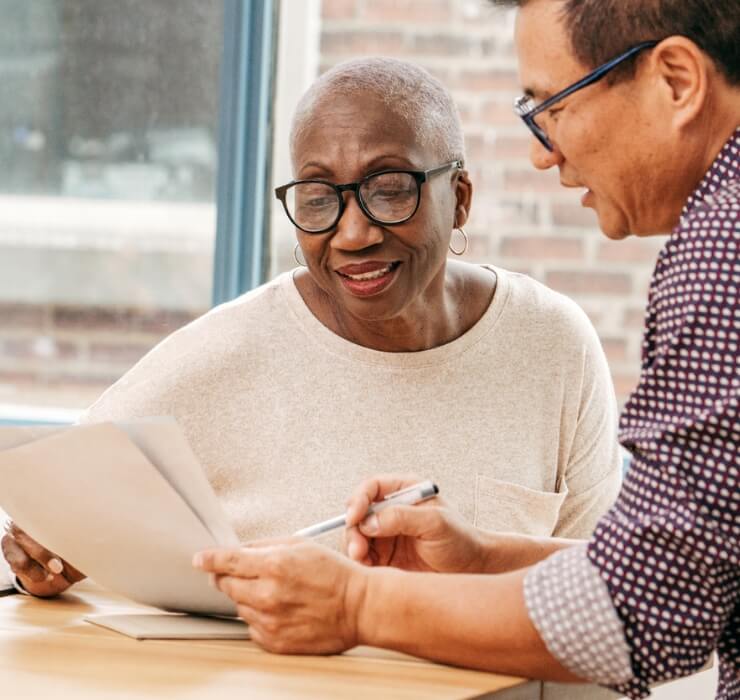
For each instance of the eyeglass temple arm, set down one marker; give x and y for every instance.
(594, 77)
(440, 169)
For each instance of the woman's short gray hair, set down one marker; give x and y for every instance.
(409, 91)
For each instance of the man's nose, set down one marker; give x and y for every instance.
(354, 230)
(541, 158)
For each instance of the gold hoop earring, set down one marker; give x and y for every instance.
(301, 263)
(465, 242)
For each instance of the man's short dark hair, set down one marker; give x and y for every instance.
(602, 29)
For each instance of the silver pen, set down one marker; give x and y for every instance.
(408, 496)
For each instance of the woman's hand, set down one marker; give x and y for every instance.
(297, 597)
(41, 572)
(429, 536)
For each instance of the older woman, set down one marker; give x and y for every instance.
(380, 353)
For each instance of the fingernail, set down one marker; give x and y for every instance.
(352, 550)
(198, 560)
(49, 577)
(55, 566)
(370, 525)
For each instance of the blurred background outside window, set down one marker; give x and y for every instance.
(108, 121)
(109, 113)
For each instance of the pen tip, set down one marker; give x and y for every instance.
(436, 489)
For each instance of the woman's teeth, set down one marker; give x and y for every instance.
(375, 274)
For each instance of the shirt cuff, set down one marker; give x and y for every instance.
(571, 608)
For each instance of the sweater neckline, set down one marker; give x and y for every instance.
(336, 344)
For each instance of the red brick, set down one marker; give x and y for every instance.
(634, 318)
(156, 321)
(444, 45)
(615, 349)
(510, 148)
(624, 385)
(532, 181)
(488, 80)
(30, 348)
(411, 11)
(581, 282)
(351, 44)
(22, 316)
(573, 215)
(500, 114)
(630, 250)
(338, 9)
(542, 247)
(118, 352)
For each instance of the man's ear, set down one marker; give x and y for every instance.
(682, 70)
(464, 195)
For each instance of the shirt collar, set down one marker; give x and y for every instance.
(724, 169)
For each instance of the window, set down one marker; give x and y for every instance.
(110, 122)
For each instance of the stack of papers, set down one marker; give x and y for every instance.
(127, 504)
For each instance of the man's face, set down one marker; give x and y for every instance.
(605, 140)
(344, 140)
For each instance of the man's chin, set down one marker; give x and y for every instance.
(613, 230)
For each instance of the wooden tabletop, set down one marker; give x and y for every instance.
(48, 651)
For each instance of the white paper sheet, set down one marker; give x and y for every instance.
(171, 626)
(91, 495)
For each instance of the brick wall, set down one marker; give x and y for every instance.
(65, 354)
(521, 219)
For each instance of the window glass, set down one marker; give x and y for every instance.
(108, 140)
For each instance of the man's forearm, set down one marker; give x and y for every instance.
(476, 621)
(503, 551)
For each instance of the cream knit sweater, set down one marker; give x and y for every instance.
(515, 420)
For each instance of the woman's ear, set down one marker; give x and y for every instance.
(682, 70)
(464, 197)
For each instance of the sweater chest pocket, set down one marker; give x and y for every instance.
(508, 507)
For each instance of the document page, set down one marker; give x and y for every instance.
(94, 497)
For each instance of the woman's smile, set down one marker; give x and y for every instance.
(369, 278)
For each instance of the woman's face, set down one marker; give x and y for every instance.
(372, 271)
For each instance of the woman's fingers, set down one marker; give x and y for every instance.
(20, 563)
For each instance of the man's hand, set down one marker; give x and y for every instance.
(297, 597)
(41, 572)
(429, 536)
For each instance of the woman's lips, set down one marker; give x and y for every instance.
(368, 278)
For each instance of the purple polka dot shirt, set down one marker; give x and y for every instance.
(667, 554)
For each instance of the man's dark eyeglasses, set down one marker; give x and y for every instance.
(389, 197)
(526, 108)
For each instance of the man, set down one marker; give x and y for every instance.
(638, 102)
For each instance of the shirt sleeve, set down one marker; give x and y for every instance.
(573, 612)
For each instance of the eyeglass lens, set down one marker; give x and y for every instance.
(387, 197)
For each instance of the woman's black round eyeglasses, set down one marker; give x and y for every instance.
(388, 198)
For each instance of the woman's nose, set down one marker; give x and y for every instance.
(354, 230)
(541, 158)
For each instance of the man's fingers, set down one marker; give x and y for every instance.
(246, 563)
(376, 489)
(356, 545)
(20, 563)
(400, 520)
